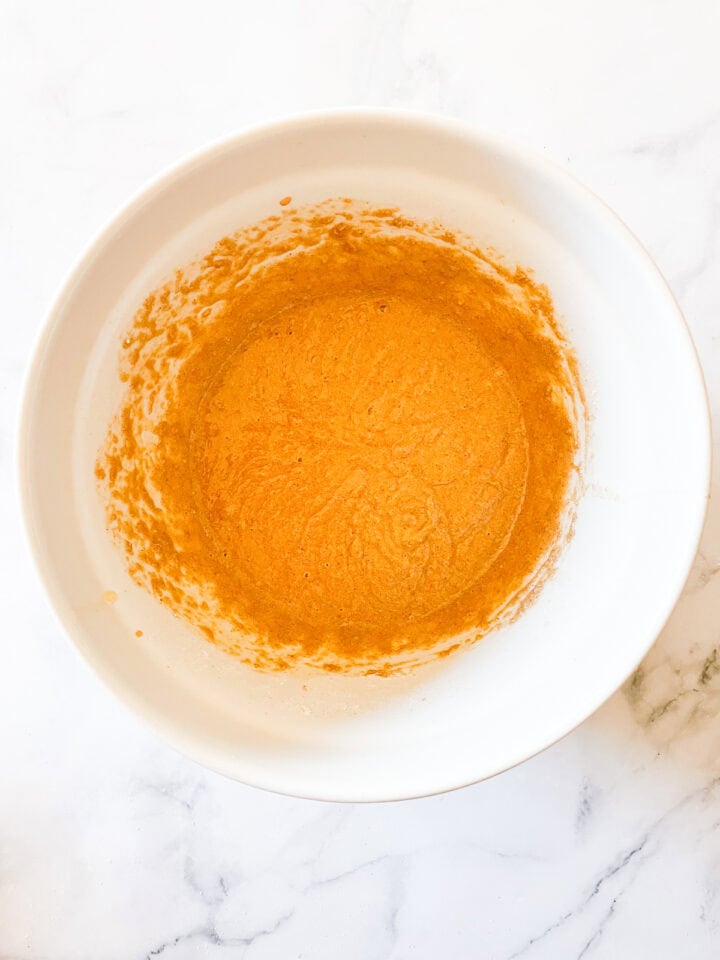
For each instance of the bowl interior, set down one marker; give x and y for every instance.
(520, 688)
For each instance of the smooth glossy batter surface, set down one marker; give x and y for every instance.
(347, 439)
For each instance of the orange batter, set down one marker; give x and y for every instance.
(348, 438)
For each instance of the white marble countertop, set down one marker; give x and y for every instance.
(113, 846)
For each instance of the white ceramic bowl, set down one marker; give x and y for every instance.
(521, 688)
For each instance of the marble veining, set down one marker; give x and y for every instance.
(112, 847)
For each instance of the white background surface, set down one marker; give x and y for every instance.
(112, 846)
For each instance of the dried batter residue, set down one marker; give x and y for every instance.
(349, 440)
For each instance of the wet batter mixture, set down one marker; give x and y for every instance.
(349, 440)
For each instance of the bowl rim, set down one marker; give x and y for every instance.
(185, 742)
